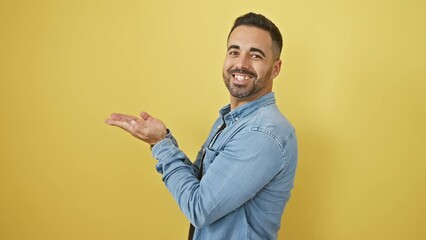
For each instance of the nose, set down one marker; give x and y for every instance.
(243, 62)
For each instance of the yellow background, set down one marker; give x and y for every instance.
(352, 83)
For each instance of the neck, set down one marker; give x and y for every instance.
(237, 102)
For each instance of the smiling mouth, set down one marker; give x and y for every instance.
(241, 77)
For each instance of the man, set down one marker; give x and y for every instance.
(248, 162)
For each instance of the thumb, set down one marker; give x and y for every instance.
(145, 115)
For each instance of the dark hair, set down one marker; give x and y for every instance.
(260, 21)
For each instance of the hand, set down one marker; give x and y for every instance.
(146, 128)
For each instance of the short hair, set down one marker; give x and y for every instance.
(260, 21)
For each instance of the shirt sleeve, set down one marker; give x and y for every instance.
(170, 139)
(237, 172)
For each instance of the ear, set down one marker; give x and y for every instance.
(276, 68)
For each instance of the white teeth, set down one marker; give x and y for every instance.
(240, 77)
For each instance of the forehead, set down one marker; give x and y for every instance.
(248, 37)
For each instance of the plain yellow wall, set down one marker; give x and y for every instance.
(352, 83)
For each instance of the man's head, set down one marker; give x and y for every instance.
(260, 21)
(252, 58)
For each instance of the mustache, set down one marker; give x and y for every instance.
(243, 71)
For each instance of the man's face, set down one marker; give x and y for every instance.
(250, 64)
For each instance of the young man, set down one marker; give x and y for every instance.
(241, 180)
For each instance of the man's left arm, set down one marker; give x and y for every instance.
(239, 171)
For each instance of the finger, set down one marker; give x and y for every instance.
(118, 123)
(133, 125)
(123, 117)
(117, 116)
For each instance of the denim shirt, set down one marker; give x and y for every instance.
(248, 172)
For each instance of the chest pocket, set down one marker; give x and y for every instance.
(210, 152)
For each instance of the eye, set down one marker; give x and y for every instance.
(233, 53)
(255, 56)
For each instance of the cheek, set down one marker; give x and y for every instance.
(226, 65)
(263, 69)
(258, 70)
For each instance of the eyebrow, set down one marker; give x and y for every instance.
(251, 49)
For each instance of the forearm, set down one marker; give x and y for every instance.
(229, 182)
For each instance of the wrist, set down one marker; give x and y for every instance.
(166, 134)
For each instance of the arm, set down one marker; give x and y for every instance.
(247, 163)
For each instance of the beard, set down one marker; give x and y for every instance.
(251, 88)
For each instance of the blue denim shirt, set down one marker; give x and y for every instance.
(248, 173)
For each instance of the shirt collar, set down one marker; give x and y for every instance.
(246, 109)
